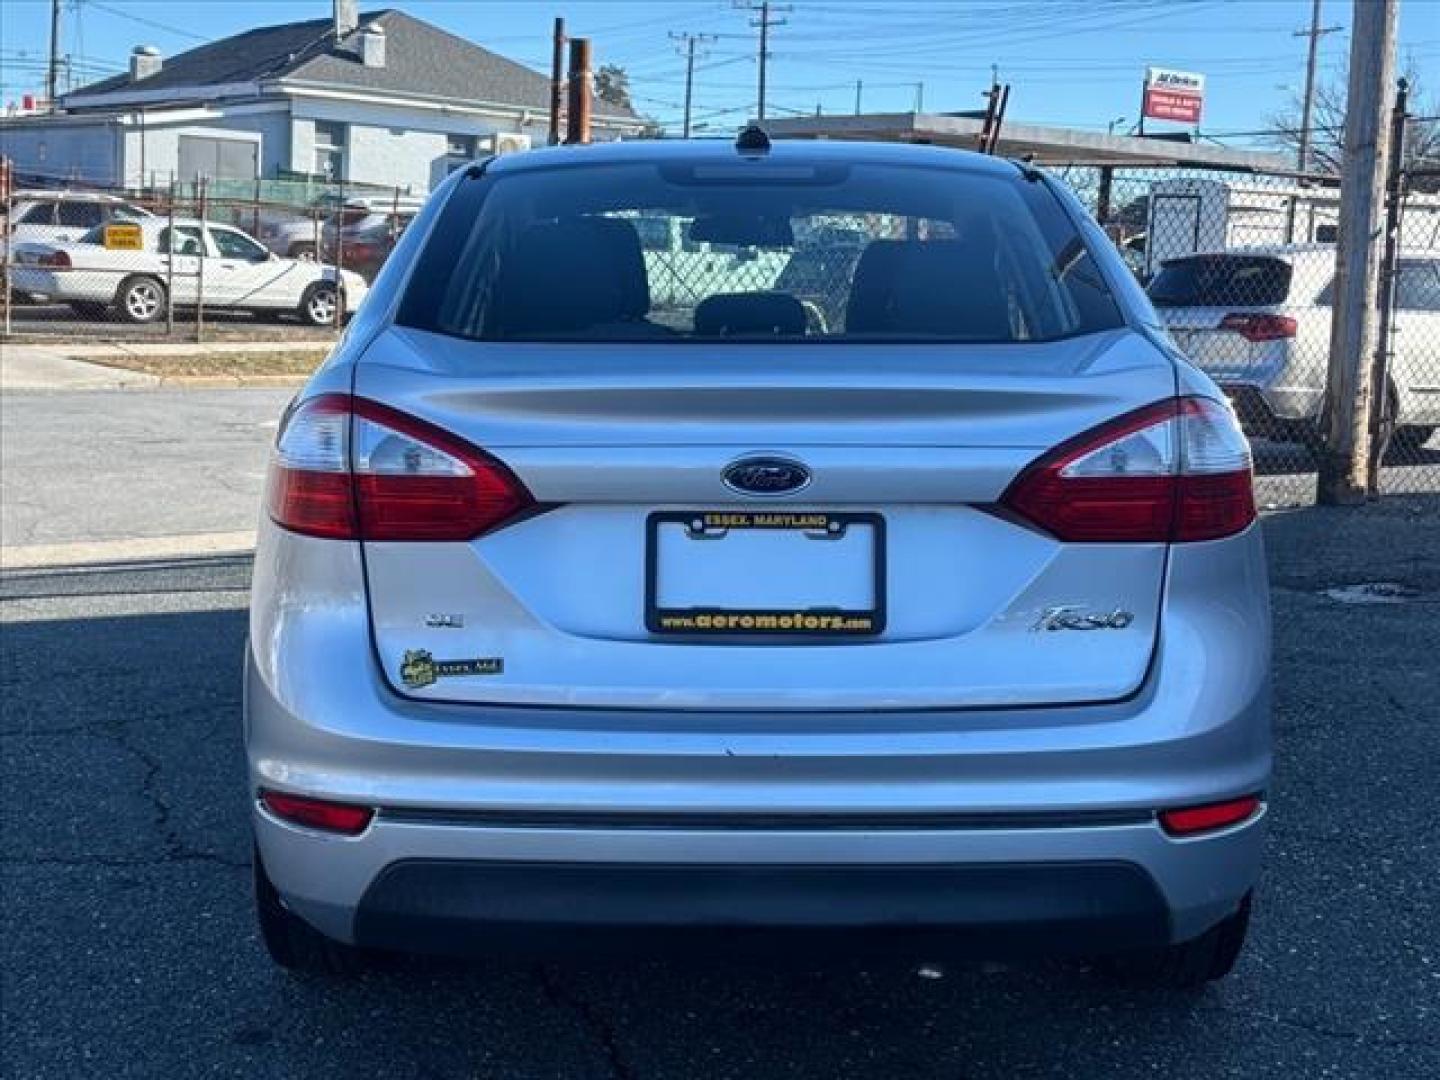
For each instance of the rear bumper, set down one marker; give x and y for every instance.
(1261, 407)
(492, 815)
(439, 905)
(442, 885)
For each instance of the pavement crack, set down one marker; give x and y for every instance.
(599, 1029)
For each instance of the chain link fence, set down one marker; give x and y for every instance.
(190, 261)
(1241, 270)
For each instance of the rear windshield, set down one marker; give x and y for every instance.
(756, 251)
(1221, 281)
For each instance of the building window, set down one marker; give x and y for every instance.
(461, 146)
(330, 149)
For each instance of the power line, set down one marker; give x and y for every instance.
(142, 21)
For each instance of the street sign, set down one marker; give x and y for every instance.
(1173, 95)
(123, 236)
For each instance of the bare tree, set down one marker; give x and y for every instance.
(612, 84)
(1327, 129)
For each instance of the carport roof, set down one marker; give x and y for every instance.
(1048, 145)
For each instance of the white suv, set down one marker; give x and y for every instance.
(48, 217)
(1257, 321)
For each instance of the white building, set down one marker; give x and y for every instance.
(383, 98)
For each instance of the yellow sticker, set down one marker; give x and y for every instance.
(124, 236)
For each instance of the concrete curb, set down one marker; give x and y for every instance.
(85, 367)
(81, 553)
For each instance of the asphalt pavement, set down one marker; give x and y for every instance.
(129, 948)
(87, 466)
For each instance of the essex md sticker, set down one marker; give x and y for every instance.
(418, 668)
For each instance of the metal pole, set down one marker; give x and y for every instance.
(859, 86)
(578, 115)
(557, 79)
(1102, 201)
(200, 277)
(764, 55)
(52, 71)
(1345, 461)
(339, 256)
(5, 186)
(1382, 409)
(689, 83)
(170, 267)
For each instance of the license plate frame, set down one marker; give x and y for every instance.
(813, 623)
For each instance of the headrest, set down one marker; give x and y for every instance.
(570, 275)
(947, 288)
(728, 314)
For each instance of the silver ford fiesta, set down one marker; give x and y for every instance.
(818, 536)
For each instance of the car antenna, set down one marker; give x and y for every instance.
(752, 140)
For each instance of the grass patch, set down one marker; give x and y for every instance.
(298, 362)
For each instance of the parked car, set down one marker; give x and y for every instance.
(368, 226)
(131, 283)
(44, 217)
(1257, 320)
(950, 615)
(366, 245)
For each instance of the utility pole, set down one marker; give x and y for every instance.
(690, 41)
(1307, 106)
(859, 86)
(52, 71)
(1345, 462)
(557, 79)
(577, 115)
(764, 23)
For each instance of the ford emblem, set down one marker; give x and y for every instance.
(766, 476)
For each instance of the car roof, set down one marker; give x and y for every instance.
(1294, 252)
(77, 196)
(155, 224)
(717, 151)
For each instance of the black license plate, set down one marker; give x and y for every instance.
(786, 573)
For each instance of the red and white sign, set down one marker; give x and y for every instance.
(1173, 95)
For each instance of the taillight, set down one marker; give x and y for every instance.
(346, 818)
(54, 258)
(1260, 327)
(352, 469)
(1174, 471)
(1191, 820)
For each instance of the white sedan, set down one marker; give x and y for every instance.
(129, 274)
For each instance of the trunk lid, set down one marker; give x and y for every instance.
(626, 449)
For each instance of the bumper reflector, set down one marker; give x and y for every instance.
(1189, 820)
(344, 818)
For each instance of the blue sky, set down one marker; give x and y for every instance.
(1072, 62)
